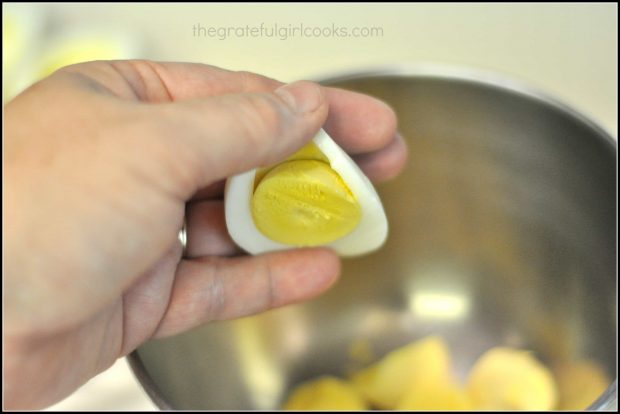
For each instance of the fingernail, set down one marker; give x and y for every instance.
(302, 96)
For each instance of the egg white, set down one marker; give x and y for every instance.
(369, 235)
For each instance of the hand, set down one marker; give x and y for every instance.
(101, 159)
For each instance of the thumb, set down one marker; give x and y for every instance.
(228, 134)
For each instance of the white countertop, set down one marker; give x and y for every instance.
(568, 50)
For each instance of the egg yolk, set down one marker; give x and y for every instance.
(303, 201)
(325, 394)
(511, 379)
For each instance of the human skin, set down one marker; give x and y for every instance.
(102, 162)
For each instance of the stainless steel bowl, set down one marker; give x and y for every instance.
(503, 231)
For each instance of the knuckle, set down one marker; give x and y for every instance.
(270, 291)
(387, 127)
(262, 115)
(245, 79)
(216, 297)
(80, 67)
(250, 81)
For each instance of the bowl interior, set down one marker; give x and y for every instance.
(502, 232)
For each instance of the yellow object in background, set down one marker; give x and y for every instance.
(435, 396)
(385, 383)
(417, 377)
(22, 25)
(580, 383)
(34, 46)
(325, 394)
(360, 351)
(511, 379)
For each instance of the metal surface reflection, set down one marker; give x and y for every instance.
(439, 305)
(502, 233)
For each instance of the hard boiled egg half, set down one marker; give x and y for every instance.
(316, 197)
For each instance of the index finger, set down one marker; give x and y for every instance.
(359, 123)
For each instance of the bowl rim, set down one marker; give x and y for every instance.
(608, 400)
(472, 75)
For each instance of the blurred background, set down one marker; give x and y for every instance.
(567, 50)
